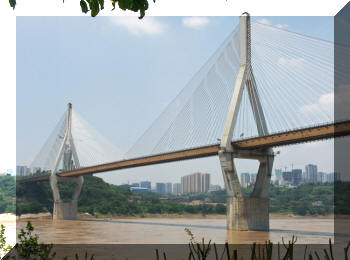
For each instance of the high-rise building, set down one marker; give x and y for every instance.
(146, 184)
(160, 188)
(330, 177)
(321, 177)
(135, 184)
(22, 170)
(177, 188)
(333, 176)
(310, 173)
(337, 176)
(205, 182)
(253, 178)
(278, 174)
(168, 187)
(287, 178)
(184, 184)
(296, 176)
(196, 182)
(245, 179)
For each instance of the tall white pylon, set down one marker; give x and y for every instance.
(245, 213)
(67, 152)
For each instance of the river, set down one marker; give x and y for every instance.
(166, 230)
(171, 230)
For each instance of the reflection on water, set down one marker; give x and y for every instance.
(171, 231)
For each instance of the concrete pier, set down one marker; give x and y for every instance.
(248, 213)
(65, 210)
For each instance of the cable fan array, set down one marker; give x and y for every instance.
(92, 148)
(295, 78)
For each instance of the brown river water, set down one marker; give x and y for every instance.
(171, 230)
(168, 230)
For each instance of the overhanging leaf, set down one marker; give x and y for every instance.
(12, 3)
(94, 7)
(84, 7)
(113, 4)
(126, 5)
(101, 2)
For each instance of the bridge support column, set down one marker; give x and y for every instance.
(67, 210)
(247, 213)
(68, 158)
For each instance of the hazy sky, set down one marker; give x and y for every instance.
(120, 73)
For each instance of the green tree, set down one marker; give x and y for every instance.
(28, 246)
(3, 247)
(95, 6)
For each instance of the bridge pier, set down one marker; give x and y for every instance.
(66, 210)
(247, 213)
(68, 157)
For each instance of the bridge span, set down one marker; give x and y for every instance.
(309, 134)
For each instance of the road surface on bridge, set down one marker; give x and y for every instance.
(274, 140)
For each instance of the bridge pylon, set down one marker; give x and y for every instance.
(246, 213)
(67, 157)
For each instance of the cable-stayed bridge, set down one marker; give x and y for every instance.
(263, 87)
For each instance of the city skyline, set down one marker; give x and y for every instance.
(280, 177)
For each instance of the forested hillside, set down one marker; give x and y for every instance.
(100, 198)
(7, 194)
(302, 200)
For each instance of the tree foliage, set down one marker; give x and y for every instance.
(100, 198)
(95, 6)
(28, 246)
(4, 248)
(7, 194)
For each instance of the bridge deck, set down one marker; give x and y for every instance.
(273, 140)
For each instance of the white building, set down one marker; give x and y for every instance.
(310, 173)
(177, 188)
(168, 187)
(22, 170)
(245, 179)
(196, 182)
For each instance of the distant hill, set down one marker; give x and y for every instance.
(100, 198)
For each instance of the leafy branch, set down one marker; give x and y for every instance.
(29, 248)
(3, 248)
(95, 6)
